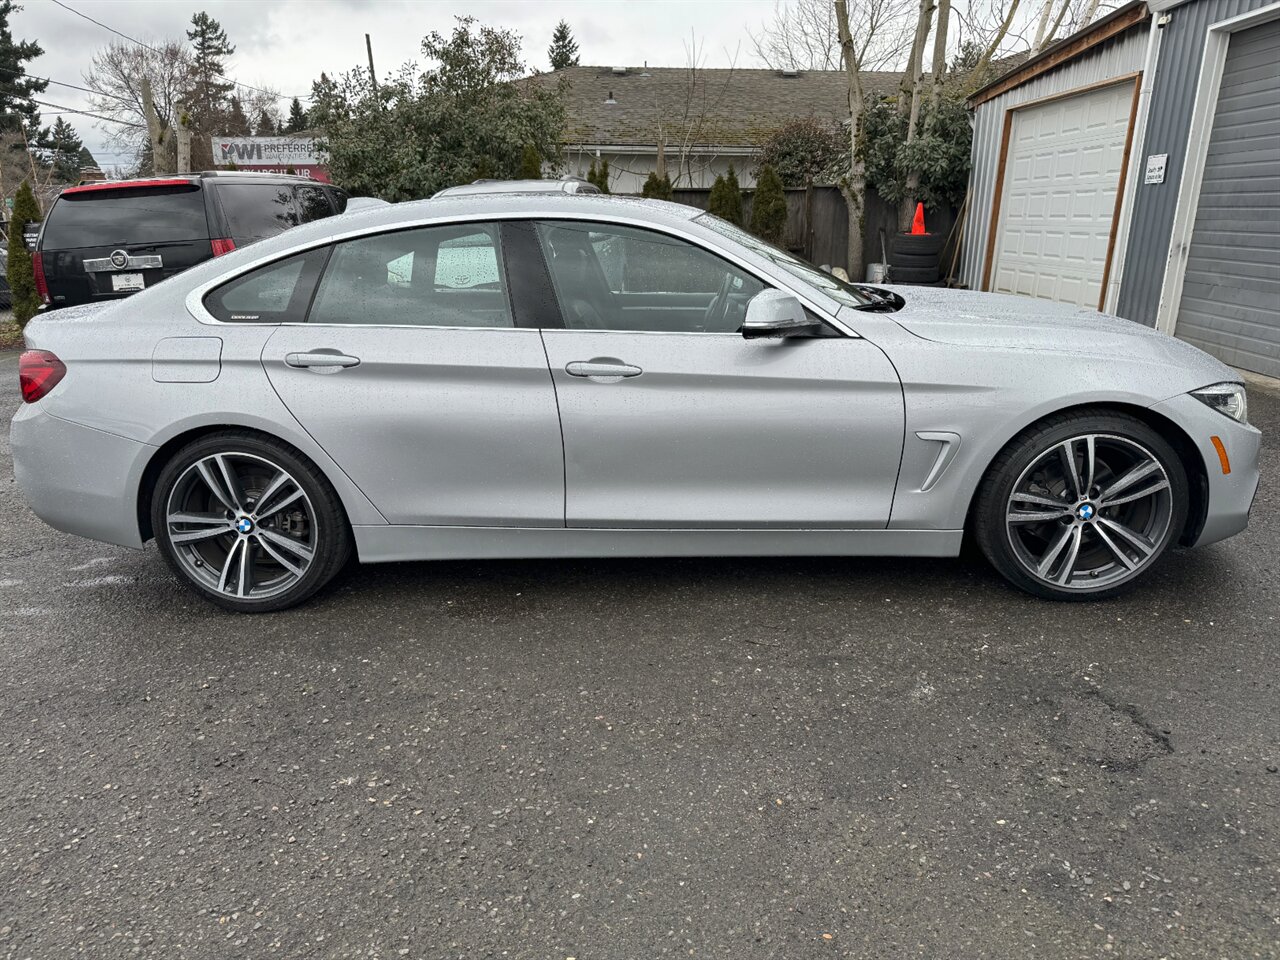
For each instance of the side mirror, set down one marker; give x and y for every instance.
(775, 313)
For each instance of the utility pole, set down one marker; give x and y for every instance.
(373, 76)
(184, 140)
(154, 131)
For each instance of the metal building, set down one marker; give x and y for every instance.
(1135, 167)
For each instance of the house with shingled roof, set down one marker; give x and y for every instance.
(699, 120)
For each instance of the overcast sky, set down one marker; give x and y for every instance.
(284, 44)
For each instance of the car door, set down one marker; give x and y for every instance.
(671, 419)
(412, 374)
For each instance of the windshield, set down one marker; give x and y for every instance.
(834, 288)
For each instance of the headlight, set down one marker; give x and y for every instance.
(1227, 398)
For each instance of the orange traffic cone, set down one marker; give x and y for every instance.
(917, 224)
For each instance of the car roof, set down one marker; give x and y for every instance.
(479, 206)
(563, 185)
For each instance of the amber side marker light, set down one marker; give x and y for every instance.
(1222, 455)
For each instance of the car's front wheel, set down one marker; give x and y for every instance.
(248, 522)
(1080, 506)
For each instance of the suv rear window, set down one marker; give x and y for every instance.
(132, 215)
(258, 209)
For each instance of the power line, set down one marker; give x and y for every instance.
(84, 113)
(85, 16)
(60, 83)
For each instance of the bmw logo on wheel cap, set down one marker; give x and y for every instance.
(244, 525)
(1085, 511)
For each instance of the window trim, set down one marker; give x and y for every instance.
(195, 297)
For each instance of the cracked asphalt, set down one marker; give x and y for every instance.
(618, 760)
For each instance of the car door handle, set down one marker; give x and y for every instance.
(317, 359)
(605, 369)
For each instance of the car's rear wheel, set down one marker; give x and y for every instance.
(1080, 506)
(249, 522)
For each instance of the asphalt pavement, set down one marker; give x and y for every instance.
(618, 760)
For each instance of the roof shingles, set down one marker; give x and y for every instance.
(720, 107)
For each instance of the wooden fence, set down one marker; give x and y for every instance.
(823, 236)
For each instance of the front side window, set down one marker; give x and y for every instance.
(447, 276)
(833, 287)
(611, 277)
(276, 293)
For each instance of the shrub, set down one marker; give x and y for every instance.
(22, 282)
(656, 188)
(725, 200)
(769, 207)
(530, 163)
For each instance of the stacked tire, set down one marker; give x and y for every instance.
(915, 257)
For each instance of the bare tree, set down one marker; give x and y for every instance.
(697, 125)
(803, 34)
(854, 187)
(115, 77)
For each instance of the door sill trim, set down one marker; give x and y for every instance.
(382, 544)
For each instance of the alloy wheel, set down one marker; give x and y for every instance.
(241, 525)
(1089, 512)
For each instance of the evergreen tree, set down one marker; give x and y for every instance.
(22, 282)
(563, 51)
(236, 123)
(769, 207)
(266, 126)
(17, 111)
(599, 175)
(656, 188)
(530, 163)
(209, 91)
(297, 117)
(63, 153)
(725, 201)
(733, 194)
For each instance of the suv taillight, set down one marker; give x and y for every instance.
(37, 268)
(222, 245)
(39, 371)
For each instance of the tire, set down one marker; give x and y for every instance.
(913, 274)
(1029, 506)
(915, 245)
(244, 559)
(930, 261)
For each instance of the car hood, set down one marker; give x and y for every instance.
(1003, 321)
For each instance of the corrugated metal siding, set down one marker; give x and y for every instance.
(1168, 122)
(1231, 297)
(1116, 58)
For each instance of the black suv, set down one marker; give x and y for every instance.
(102, 241)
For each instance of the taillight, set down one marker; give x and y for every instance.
(37, 267)
(223, 245)
(39, 371)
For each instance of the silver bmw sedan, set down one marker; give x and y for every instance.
(569, 376)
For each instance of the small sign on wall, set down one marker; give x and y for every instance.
(1155, 167)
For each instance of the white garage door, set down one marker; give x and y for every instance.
(1062, 174)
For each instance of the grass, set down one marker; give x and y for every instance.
(10, 332)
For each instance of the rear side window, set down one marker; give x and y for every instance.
(339, 199)
(448, 276)
(313, 204)
(133, 215)
(257, 210)
(276, 293)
